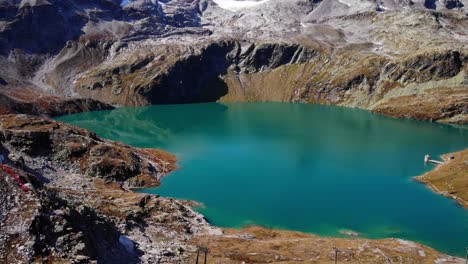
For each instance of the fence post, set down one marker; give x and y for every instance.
(336, 254)
(466, 258)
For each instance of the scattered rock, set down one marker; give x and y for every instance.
(349, 233)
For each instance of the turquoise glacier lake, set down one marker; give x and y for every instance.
(310, 168)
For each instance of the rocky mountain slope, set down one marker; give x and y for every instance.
(400, 58)
(79, 207)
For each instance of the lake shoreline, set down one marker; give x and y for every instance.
(139, 226)
(232, 139)
(447, 179)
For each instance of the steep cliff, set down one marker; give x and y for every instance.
(435, 79)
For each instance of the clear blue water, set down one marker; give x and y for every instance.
(311, 168)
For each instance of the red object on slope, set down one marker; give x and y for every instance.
(14, 174)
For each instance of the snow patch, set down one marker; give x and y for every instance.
(382, 7)
(234, 5)
(343, 2)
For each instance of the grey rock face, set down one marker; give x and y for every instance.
(44, 26)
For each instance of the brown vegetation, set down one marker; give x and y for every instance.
(451, 178)
(438, 104)
(261, 245)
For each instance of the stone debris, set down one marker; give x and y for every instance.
(349, 233)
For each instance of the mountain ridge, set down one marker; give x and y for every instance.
(121, 53)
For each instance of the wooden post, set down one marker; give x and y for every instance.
(336, 254)
(203, 250)
(466, 258)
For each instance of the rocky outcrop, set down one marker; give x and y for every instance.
(426, 67)
(80, 208)
(49, 106)
(76, 149)
(194, 78)
(199, 78)
(38, 26)
(63, 230)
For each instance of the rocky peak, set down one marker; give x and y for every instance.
(41, 26)
(141, 9)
